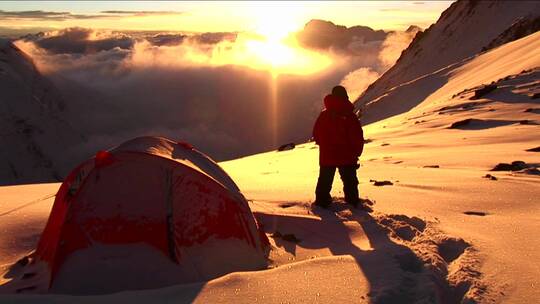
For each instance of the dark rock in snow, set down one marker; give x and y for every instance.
(286, 147)
(491, 177)
(533, 110)
(381, 183)
(531, 171)
(514, 166)
(286, 205)
(286, 237)
(483, 91)
(477, 213)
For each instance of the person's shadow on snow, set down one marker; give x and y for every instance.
(388, 266)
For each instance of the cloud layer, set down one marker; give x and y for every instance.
(192, 87)
(61, 16)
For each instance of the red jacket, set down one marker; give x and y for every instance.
(338, 133)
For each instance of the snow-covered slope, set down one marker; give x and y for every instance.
(462, 31)
(36, 140)
(434, 89)
(438, 157)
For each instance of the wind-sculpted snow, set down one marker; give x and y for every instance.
(378, 258)
(403, 259)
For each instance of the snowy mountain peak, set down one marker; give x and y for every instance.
(462, 31)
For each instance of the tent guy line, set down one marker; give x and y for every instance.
(46, 197)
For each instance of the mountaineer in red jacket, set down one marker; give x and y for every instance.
(339, 135)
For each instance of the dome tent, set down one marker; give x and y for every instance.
(148, 213)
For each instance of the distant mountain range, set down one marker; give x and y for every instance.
(324, 35)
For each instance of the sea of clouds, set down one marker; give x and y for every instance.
(198, 87)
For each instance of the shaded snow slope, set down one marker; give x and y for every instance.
(35, 136)
(435, 88)
(463, 30)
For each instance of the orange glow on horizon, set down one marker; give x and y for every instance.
(264, 28)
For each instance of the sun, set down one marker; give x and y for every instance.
(273, 52)
(284, 58)
(275, 22)
(274, 47)
(268, 45)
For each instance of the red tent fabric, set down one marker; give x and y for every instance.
(115, 211)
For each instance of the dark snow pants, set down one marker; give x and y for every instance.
(326, 178)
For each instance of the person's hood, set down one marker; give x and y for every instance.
(336, 103)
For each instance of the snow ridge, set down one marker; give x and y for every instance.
(35, 136)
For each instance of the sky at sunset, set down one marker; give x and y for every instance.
(198, 16)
